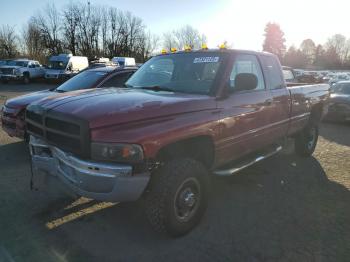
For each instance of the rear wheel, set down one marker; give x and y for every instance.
(306, 140)
(178, 196)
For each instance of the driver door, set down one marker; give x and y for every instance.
(244, 113)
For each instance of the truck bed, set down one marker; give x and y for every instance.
(303, 98)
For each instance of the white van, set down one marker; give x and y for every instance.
(63, 66)
(124, 61)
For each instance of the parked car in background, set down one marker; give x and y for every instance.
(64, 66)
(102, 62)
(4, 62)
(338, 77)
(289, 75)
(339, 103)
(182, 117)
(21, 69)
(124, 61)
(13, 112)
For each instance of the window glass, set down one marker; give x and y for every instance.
(84, 80)
(247, 64)
(187, 72)
(288, 74)
(117, 80)
(273, 72)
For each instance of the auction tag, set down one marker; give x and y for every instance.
(206, 59)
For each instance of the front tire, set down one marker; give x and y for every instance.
(26, 79)
(306, 141)
(178, 196)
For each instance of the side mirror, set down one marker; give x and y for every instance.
(245, 82)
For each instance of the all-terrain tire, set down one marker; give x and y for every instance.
(168, 194)
(26, 78)
(306, 141)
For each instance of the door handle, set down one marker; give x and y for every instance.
(268, 102)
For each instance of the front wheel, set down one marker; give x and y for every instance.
(306, 140)
(26, 79)
(178, 196)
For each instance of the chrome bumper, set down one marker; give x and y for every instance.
(100, 181)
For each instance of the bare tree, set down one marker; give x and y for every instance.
(169, 41)
(8, 42)
(337, 44)
(70, 23)
(33, 44)
(190, 36)
(48, 21)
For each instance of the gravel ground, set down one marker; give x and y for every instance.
(286, 208)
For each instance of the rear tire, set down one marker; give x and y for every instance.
(178, 196)
(306, 141)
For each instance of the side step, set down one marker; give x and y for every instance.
(238, 166)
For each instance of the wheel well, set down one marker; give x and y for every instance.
(316, 113)
(200, 148)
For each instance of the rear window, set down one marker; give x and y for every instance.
(272, 69)
(288, 74)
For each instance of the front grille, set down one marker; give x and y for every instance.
(7, 71)
(62, 140)
(35, 117)
(62, 130)
(35, 130)
(62, 126)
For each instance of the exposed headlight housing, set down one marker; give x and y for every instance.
(123, 153)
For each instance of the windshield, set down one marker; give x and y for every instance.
(342, 88)
(3, 62)
(57, 65)
(84, 80)
(18, 63)
(187, 72)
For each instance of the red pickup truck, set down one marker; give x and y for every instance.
(183, 117)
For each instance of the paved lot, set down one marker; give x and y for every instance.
(284, 209)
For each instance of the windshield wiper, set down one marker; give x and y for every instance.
(60, 91)
(157, 88)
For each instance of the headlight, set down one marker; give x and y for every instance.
(124, 153)
(17, 71)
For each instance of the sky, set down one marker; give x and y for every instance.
(239, 22)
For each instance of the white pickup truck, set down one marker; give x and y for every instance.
(21, 69)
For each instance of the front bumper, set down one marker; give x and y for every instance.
(100, 181)
(11, 77)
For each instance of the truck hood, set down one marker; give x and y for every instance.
(21, 102)
(110, 106)
(10, 67)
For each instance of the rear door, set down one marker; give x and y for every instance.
(244, 114)
(280, 108)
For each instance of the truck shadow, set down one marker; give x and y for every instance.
(284, 208)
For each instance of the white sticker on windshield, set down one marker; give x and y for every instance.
(206, 59)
